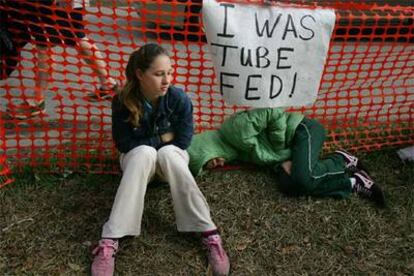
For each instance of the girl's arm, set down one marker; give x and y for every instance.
(124, 136)
(184, 128)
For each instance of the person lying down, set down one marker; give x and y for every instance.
(291, 144)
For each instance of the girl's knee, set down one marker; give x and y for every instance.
(140, 154)
(172, 157)
(169, 152)
(143, 151)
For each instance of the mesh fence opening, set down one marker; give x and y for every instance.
(60, 60)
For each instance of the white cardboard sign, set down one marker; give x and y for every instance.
(267, 56)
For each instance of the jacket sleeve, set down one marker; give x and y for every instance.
(184, 128)
(122, 131)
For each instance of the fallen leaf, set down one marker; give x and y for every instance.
(241, 246)
(289, 249)
(87, 243)
(74, 267)
(349, 249)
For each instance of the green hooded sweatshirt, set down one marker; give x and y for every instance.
(260, 136)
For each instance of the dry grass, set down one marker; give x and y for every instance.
(48, 224)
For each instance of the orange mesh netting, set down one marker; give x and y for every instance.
(63, 53)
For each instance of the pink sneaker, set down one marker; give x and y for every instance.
(104, 262)
(217, 257)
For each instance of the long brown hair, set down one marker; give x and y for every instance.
(130, 95)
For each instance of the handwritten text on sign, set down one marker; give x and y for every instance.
(267, 56)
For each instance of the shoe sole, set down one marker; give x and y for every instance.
(26, 117)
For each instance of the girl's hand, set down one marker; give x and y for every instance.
(167, 137)
(287, 166)
(216, 162)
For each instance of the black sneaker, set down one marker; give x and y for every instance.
(352, 163)
(367, 188)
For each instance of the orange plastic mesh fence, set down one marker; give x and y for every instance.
(63, 54)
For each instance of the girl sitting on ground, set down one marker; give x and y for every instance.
(152, 125)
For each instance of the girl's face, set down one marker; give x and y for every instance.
(154, 82)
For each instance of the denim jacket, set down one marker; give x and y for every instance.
(174, 114)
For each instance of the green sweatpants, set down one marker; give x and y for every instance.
(311, 175)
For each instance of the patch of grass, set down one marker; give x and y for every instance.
(49, 223)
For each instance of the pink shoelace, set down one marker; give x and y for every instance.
(108, 250)
(214, 244)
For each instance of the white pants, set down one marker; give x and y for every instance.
(139, 166)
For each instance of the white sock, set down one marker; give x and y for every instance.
(353, 181)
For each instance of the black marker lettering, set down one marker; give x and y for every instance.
(248, 88)
(305, 27)
(290, 27)
(280, 57)
(293, 86)
(272, 96)
(226, 6)
(223, 62)
(266, 26)
(222, 84)
(248, 60)
(262, 56)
